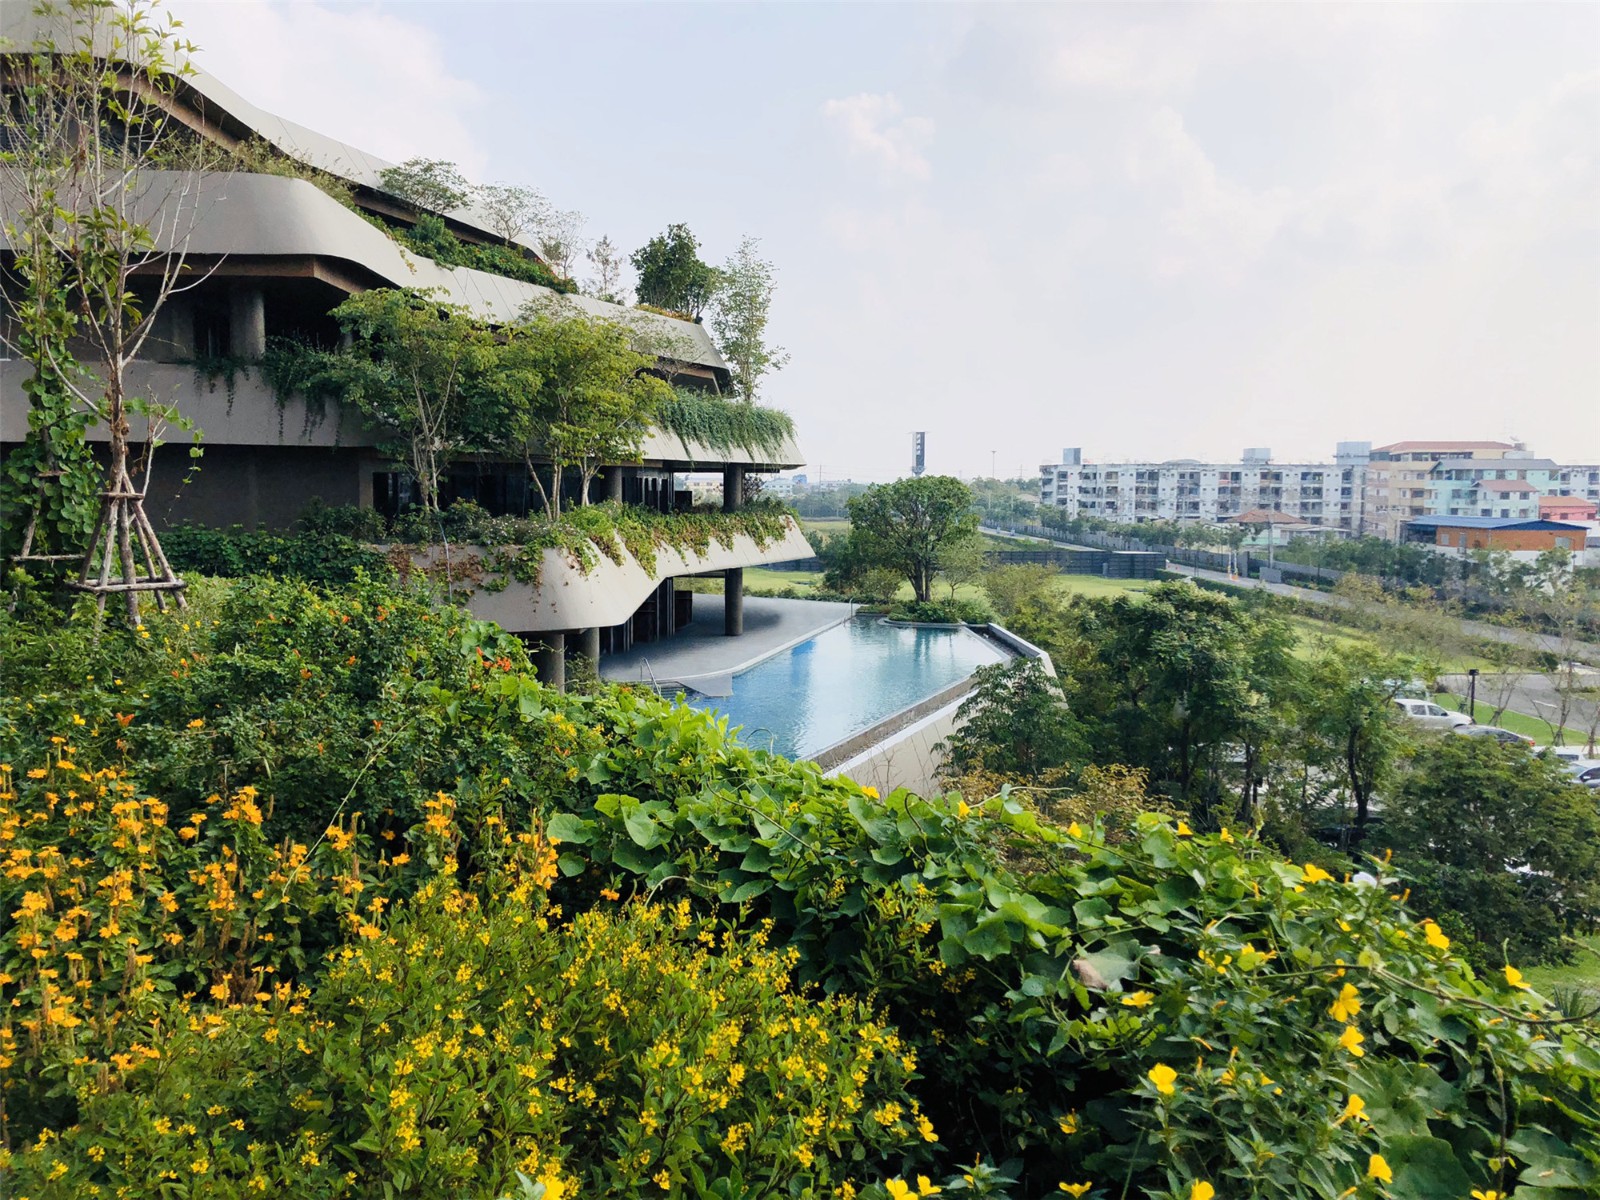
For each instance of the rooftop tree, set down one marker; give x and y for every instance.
(596, 398)
(429, 183)
(424, 371)
(671, 275)
(738, 319)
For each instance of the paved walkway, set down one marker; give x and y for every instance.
(704, 659)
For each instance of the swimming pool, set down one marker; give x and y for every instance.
(843, 681)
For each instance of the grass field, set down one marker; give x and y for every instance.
(1582, 972)
(1540, 731)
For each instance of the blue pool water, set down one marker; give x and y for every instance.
(843, 681)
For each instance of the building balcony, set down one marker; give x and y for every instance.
(568, 597)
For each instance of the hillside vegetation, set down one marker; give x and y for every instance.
(322, 893)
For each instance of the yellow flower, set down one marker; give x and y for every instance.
(1354, 1109)
(1378, 1169)
(925, 1186)
(1225, 836)
(197, 723)
(1315, 874)
(1435, 936)
(1514, 978)
(1347, 1005)
(1351, 1040)
(1139, 999)
(554, 1189)
(963, 809)
(1163, 1077)
(1488, 1195)
(1068, 1123)
(1075, 830)
(1201, 1190)
(872, 793)
(898, 1190)
(1184, 830)
(1075, 1190)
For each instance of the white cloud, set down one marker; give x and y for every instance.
(357, 72)
(874, 126)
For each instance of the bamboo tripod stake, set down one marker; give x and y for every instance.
(121, 520)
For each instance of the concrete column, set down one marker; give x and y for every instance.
(733, 601)
(589, 644)
(614, 484)
(247, 322)
(732, 488)
(550, 660)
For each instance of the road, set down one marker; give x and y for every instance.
(1532, 695)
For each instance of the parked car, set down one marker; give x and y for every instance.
(1585, 770)
(1430, 715)
(1495, 732)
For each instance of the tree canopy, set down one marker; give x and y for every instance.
(671, 274)
(905, 526)
(738, 319)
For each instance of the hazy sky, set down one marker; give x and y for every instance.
(1146, 230)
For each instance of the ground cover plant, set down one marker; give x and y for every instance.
(316, 892)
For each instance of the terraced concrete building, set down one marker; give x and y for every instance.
(273, 253)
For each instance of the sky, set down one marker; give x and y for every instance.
(1150, 231)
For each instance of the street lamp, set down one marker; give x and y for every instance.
(1472, 694)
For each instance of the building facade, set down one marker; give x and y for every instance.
(1366, 490)
(271, 255)
(1184, 490)
(1523, 539)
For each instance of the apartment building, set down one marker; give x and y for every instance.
(1186, 490)
(1366, 490)
(1397, 485)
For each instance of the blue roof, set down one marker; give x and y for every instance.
(1493, 523)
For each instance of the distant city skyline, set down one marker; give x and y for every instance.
(1153, 231)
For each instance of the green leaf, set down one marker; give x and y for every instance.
(565, 827)
(1425, 1168)
(642, 828)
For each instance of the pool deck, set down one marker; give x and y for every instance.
(702, 658)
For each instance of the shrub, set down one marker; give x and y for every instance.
(940, 612)
(170, 1037)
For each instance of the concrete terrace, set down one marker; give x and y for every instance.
(702, 658)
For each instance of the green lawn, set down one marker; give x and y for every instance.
(1516, 722)
(1583, 971)
(803, 582)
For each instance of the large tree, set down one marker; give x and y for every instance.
(1185, 683)
(670, 273)
(1499, 838)
(907, 525)
(738, 319)
(1349, 723)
